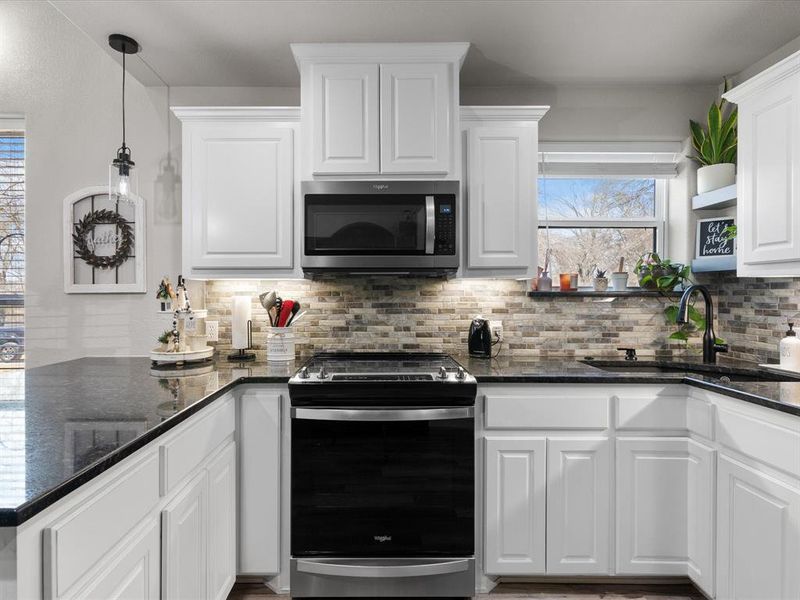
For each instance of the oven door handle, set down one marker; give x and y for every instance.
(395, 414)
(430, 224)
(348, 569)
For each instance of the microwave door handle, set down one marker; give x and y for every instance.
(430, 224)
(395, 414)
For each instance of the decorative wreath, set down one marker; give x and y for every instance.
(86, 226)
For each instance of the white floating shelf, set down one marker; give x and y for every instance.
(710, 264)
(716, 199)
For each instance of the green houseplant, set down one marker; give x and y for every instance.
(715, 146)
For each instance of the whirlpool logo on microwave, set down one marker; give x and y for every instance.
(380, 187)
(382, 539)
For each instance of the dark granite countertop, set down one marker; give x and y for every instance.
(62, 425)
(778, 395)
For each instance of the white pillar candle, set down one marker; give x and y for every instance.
(241, 313)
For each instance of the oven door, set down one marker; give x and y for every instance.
(387, 482)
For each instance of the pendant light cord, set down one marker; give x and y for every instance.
(123, 101)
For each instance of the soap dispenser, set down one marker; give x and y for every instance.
(790, 350)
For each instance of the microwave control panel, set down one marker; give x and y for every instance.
(445, 225)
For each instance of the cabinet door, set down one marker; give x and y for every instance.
(260, 484)
(700, 528)
(239, 186)
(652, 491)
(345, 126)
(515, 506)
(222, 523)
(416, 118)
(578, 506)
(758, 543)
(769, 176)
(184, 533)
(502, 198)
(133, 574)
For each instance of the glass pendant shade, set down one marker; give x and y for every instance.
(123, 183)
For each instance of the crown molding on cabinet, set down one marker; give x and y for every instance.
(281, 114)
(380, 52)
(779, 71)
(502, 113)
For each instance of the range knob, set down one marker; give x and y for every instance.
(461, 374)
(304, 374)
(442, 373)
(323, 374)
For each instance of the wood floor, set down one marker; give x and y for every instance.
(533, 591)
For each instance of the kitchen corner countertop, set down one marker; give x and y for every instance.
(61, 425)
(783, 396)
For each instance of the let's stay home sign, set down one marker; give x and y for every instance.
(712, 239)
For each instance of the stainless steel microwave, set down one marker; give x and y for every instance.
(380, 227)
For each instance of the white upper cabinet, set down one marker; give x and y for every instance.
(416, 118)
(768, 211)
(380, 109)
(499, 190)
(345, 118)
(238, 191)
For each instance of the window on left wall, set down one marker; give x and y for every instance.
(12, 248)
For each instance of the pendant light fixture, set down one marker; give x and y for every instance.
(122, 180)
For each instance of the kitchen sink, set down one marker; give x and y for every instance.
(723, 373)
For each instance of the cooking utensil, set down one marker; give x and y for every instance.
(286, 311)
(278, 304)
(297, 318)
(295, 310)
(268, 300)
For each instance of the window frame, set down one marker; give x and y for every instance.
(658, 221)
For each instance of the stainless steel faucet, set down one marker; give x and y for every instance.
(710, 345)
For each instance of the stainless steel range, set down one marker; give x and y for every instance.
(383, 470)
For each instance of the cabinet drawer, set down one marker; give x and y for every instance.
(547, 409)
(194, 442)
(767, 442)
(79, 540)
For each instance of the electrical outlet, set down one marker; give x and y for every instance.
(212, 331)
(497, 329)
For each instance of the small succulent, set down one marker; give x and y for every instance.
(165, 337)
(600, 273)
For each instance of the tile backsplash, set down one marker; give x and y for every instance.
(386, 313)
(753, 313)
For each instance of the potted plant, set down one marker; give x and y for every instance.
(619, 278)
(600, 281)
(655, 273)
(165, 339)
(715, 147)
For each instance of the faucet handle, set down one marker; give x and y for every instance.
(630, 353)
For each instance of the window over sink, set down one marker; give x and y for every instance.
(590, 222)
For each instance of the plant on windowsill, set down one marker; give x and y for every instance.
(600, 281)
(715, 147)
(665, 276)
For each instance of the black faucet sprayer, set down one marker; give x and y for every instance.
(710, 345)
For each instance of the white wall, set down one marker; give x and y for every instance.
(69, 91)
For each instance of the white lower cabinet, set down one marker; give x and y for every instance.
(578, 505)
(222, 523)
(184, 533)
(758, 544)
(198, 534)
(664, 507)
(515, 505)
(132, 574)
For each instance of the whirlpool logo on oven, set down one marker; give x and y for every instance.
(382, 539)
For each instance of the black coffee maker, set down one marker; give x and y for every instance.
(479, 340)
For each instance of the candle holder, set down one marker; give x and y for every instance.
(242, 354)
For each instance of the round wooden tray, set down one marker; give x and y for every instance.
(181, 357)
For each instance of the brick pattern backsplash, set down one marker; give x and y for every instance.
(753, 313)
(385, 313)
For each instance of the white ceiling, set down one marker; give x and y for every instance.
(534, 42)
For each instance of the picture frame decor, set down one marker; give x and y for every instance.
(104, 243)
(715, 249)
